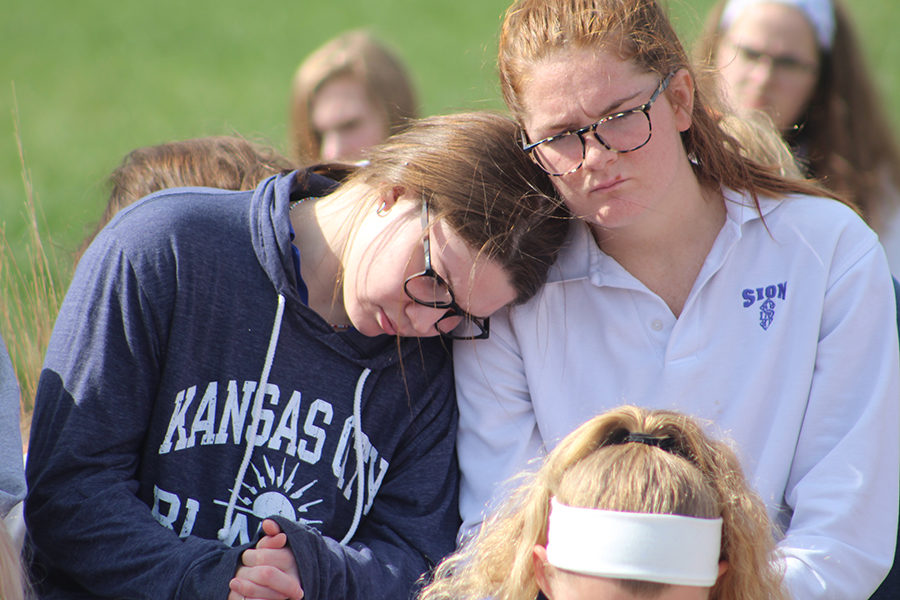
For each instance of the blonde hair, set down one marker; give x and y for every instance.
(360, 55)
(761, 141)
(694, 476)
(638, 31)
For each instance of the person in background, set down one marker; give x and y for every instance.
(13, 581)
(12, 466)
(800, 62)
(225, 357)
(347, 96)
(699, 280)
(633, 504)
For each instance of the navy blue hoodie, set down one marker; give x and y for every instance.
(188, 392)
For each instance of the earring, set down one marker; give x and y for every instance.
(383, 209)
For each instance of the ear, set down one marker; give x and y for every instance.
(389, 197)
(541, 569)
(681, 96)
(723, 567)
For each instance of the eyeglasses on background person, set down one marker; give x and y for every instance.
(430, 289)
(621, 132)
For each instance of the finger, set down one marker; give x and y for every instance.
(272, 541)
(266, 583)
(281, 558)
(270, 527)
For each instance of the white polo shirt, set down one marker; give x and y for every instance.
(787, 345)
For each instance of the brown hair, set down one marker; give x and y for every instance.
(361, 56)
(225, 162)
(639, 31)
(844, 135)
(695, 476)
(471, 171)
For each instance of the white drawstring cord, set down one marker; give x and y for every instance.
(257, 412)
(357, 443)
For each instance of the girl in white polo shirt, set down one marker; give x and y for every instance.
(698, 280)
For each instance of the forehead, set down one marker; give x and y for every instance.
(585, 587)
(775, 28)
(578, 83)
(339, 99)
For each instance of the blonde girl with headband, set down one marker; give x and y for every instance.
(227, 357)
(635, 503)
(697, 279)
(800, 61)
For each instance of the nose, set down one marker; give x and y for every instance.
(762, 71)
(423, 319)
(596, 152)
(336, 145)
(329, 149)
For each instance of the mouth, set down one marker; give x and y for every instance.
(608, 185)
(386, 324)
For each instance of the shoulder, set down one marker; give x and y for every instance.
(175, 217)
(180, 206)
(830, 230)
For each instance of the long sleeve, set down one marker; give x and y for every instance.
(92, 412)
(12, 475)
(843, 484)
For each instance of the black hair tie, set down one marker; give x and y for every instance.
(663, 443)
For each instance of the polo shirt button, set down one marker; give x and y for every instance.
(656, 324)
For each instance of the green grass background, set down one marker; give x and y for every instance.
(87, 81)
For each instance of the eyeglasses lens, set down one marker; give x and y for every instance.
(622, 133)
(429, 290)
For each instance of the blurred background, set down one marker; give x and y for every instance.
(83, 83)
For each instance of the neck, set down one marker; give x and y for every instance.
(322, 227)
(666, 251)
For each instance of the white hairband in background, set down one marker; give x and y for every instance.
(820, 14)
(645, 546)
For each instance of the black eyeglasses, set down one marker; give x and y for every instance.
(429, 289)
(621, 132)
(781, 63)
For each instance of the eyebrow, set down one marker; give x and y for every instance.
(609, 109)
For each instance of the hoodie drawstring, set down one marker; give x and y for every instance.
(358, 446)
(257, 413)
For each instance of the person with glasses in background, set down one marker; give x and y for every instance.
(699, 279)
(223, 357)
(800, 62)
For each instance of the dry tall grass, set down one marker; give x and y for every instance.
(31, 289)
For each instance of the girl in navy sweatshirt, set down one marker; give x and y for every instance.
(223, 357)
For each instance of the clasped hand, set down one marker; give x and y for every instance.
(268, 571)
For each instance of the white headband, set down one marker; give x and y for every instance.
(645, 546)
(820, 14)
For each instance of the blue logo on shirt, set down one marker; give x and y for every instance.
(766, 296)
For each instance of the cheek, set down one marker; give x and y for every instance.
(374, 126)
(796, 92)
